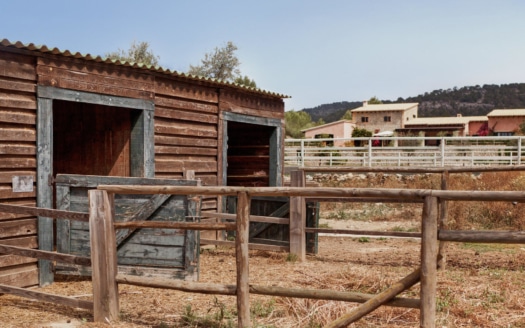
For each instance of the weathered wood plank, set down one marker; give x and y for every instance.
(52, 256)
(177, 88)
(7, 176)
(85, 86)
(62, 300)
(143, 213)
(17, 66)
(74, 180)
(12, 260)
(192, 150)
(23, 276)
(103, 257)
(101, 78)
(242, 259)
(183, 141)
(429, 258)
(469, 236)
(172, 165)
(79, 65)
(161, 101)
(182, 115)
(298, 218)
(18, 86)
(185, 129)
(175, 225)
(377, 301)
(18, 117)
(45, 212)
(17, 149)
(94, 98)
(12, 134)
(22, 227)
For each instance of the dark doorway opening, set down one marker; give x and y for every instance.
(92, 139)
(248, 154)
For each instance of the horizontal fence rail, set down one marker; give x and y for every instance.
(404, 151)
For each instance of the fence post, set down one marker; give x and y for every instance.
(103, 256)
(519, 151)
(429, 253)
(241, 251)
(442, 152)
(298, 217)
(370, 152)
(443, 207)
(302, 153)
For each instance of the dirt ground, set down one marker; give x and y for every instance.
(482, 286)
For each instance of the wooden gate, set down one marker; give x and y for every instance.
(277, 234)
(151, 252)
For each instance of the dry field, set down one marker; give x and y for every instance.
(482, 286)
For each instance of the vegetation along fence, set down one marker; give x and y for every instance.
(105, 276)
(404, 151)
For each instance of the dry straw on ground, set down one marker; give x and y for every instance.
(482, 286)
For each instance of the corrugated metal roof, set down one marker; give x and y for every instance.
(99, 59)
(445, 120)
(385, 107)
(507, 112)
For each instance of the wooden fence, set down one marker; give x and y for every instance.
(104, 262)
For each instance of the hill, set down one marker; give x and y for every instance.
(467, 101)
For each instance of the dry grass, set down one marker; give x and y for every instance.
(482, 286)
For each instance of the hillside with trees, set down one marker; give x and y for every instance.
(467, 101)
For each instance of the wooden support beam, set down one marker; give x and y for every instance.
(52, 256)
(45, 297)
(469, 236)
(175, 225)
(443, 208)
(220, 289)
(377, 301)
(103, 256)
(241, 251)
(298, 218)
(77, 216)
(429, 254)
(364, 232)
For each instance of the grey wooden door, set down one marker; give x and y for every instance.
(151, 252)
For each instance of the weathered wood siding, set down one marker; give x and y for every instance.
(17, 158)
(186, 132)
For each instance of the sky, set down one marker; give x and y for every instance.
(316, 52)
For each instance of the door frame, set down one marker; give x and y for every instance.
(276, 144)
(142, 159)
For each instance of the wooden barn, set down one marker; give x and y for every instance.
(69, 121)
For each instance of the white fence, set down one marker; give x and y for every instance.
(404, 151)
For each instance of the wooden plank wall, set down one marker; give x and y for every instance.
(17, 158)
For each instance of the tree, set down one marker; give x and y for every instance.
(246, 81)
(137, 53)
(374, 101)
(221, 64)
(347, 115)
(295, 122)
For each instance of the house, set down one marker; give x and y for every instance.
(458, 126)
(384, 117)
(73, 114)
(505, 122)
(338, 129)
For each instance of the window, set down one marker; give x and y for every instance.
(364, 119)
(387, 118)
(504, 134)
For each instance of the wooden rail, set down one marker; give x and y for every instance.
(46, 255)
(431, 236)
